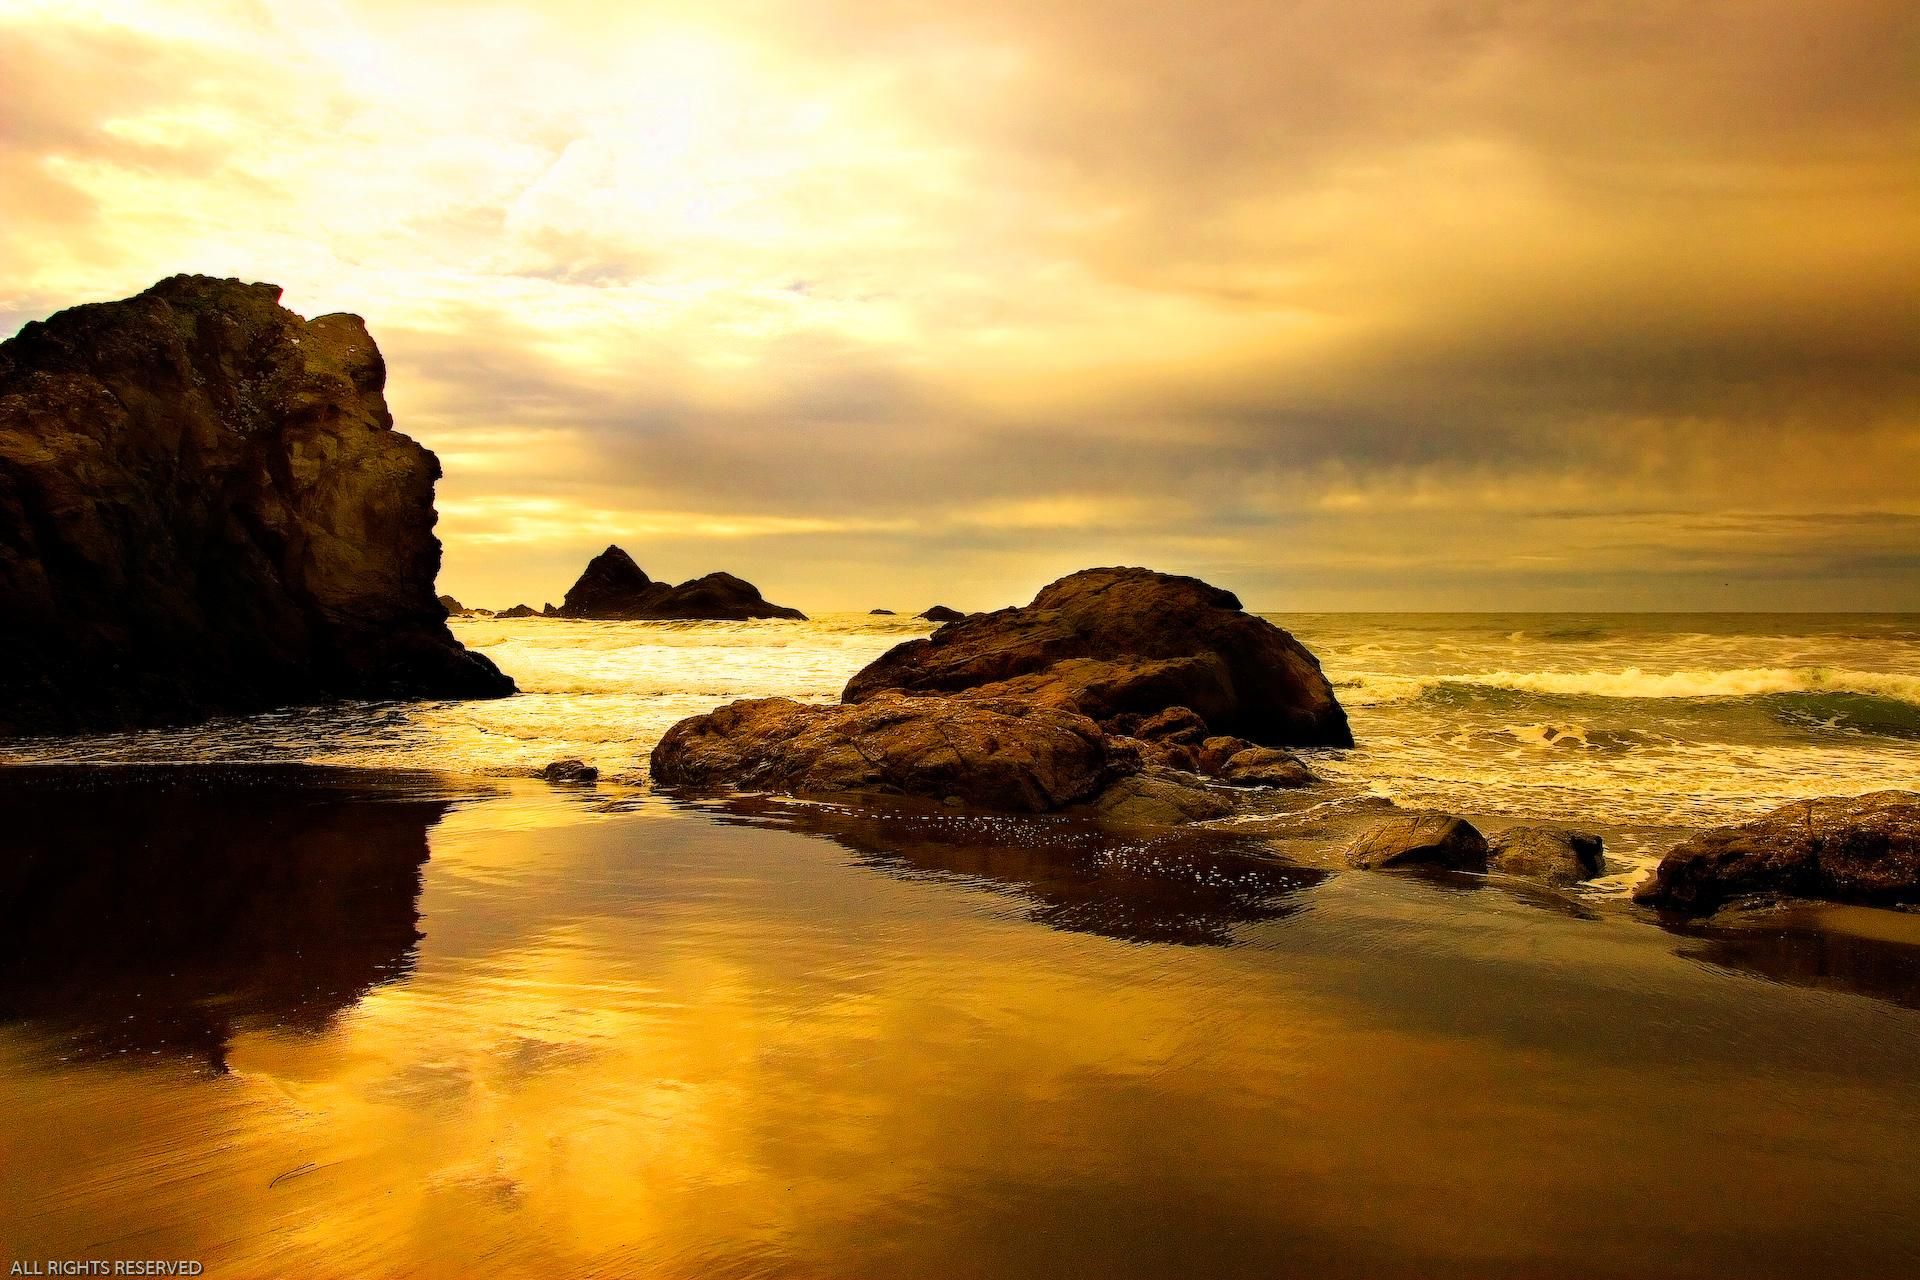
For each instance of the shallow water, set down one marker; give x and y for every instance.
(289, 1022)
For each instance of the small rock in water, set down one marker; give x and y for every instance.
(1420, 840)
(1553, 854)
(570, 771)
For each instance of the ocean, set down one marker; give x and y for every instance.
(1643, 726)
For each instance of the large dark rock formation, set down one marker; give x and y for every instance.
(1079, 700)
(976, 752)
(613, 587)
(1112, 642)
(1865, 849)
(204, 507)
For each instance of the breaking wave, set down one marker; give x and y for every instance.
(1632, 682)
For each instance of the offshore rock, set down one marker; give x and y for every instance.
(1118, 643)
(204, 508)
(1864, 849)
(614, 588)
(940, 613)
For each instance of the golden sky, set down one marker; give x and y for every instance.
(1522, 304)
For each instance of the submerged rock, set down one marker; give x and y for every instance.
(1551, 854)
(974, 752)
(204, 508)
(940, 613)
(1108, 643)
(1864, 849)
(1419, 840)
(614, 588)
(570, 770)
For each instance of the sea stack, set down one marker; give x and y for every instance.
(204, 508)
(614, 588)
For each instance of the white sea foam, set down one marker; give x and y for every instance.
(1633, 682)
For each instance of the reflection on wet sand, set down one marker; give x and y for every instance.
(148, 911)
(684, 1042)
(1859, 950)
(1186, 886)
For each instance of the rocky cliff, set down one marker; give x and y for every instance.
(204, 507)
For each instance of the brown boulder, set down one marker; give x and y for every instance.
(1158, 798)
(996, 756)
(570, 770)
(1419, 840)
(1266, 767)
(204, 508)
(614, 588)
(1552, 854)
(1864, 849)
(1108, 643)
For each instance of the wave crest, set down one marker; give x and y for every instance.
(1632, 682)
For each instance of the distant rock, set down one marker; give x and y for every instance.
(457, 610)
(1108, 643)
(520, 611)
(1419, 840)
(1864, 849)
(1551, 854)
(614, 588)
(880, 613)
(570, 770)
(972, 752)
(940, 613)
(204, 508)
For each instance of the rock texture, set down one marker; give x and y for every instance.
(204, 507)
(1551, 854)
(1266, 767)
(1108, 643)
(613, 587)
(940, 613)
(1419, 840)
(974, 752)
(570, 770)
(1865, 849)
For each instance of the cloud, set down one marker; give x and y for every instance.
(1443, 305)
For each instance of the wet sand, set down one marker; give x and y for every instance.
(333, 1023)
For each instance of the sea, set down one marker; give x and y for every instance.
(347, 992)
(1642, 725)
